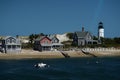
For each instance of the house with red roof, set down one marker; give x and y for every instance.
(47, 43)
(42, 44)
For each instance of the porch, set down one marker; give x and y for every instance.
(12, 49)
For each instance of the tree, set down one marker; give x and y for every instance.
(117, 40)
(70, 35)
(95, 38)
(42, 34)
(31, 38)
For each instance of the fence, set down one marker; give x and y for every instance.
(100, 49)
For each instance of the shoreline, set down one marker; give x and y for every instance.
(31, 54)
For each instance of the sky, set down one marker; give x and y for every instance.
(24, 17)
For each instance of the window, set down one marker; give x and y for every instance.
(46, 42)
(55, 41)
(13, 46)
(9, 46)
(89, 42)
(18, 46)
(8, 41)
(13, 41)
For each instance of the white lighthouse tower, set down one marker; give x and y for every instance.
(100, 30)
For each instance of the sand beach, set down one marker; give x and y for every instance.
(30, 54)
(27, 53)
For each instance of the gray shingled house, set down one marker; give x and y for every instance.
(82, 38)
(11, 45)
(55, 42)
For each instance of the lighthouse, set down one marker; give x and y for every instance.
(100, 30)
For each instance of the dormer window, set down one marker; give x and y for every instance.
(8, 41)
(13, 41)
(55, 41)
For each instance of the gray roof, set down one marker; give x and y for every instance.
(51, 36)
(17, 42)
(6, 37)
(81, 34)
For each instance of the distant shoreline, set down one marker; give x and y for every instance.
(31, 54)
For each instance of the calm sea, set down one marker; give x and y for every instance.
(61, 69)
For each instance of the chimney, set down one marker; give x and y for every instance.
(17, 36)
(82, 29)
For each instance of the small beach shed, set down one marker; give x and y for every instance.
(11, 45)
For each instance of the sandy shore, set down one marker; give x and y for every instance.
(30, 54)
(55, 54)
(43, 55)
(106, 53)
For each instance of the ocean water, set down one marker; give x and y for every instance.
(61, 69)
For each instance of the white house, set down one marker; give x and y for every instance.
(11, 45)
